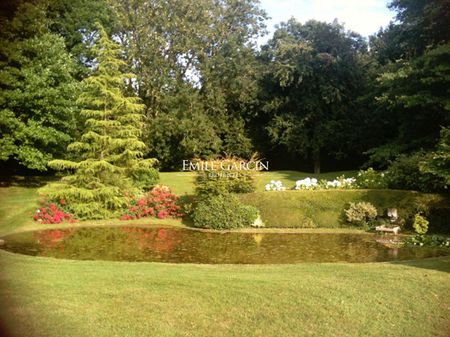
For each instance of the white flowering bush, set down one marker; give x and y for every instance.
(371, 179)
(306, 184)
(333, 184)
(314, 184)
(361, 213)
(275, 185)
(341, 182)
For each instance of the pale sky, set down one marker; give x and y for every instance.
(362, 16)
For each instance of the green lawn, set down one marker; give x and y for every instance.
(183, 182)
(46, 297)
(49, 297)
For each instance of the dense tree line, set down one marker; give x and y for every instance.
(315, 96)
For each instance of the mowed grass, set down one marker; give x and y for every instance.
(44, 297)
(48, 297)
(183, 182)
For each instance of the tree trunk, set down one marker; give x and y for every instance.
(316, 158)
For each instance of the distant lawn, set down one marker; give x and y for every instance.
(183, 182)
(179, 182)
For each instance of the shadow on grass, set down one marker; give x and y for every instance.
(26, 181)
(436, 263)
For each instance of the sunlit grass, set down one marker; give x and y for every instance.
(183, 182)
(48, 297)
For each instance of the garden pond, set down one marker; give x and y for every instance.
(180, 245)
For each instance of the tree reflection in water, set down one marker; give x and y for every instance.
(180, 245)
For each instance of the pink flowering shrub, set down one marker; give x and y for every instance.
(52, 212)
(159, 203)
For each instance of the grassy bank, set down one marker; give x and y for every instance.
(295, 209)
(324, 208)
(18, 200)
(18, 203)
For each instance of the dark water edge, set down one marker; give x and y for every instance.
(180, 245)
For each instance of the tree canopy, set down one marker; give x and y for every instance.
(38, 90)
(312, 79)
(315, 96)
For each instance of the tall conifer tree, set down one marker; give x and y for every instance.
(111, 165)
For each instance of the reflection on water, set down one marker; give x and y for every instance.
(180, 245)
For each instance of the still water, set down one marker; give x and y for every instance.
(179, 245)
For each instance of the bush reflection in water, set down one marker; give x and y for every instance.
(179, 245)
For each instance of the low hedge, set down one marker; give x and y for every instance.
(325, 208)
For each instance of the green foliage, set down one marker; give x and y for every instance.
(197, 78)
(145, 178)
(428, 240)
(420, 224)
(110, 150)
(182, 132)
(407, 88)
(216, 181)
(312, 77)
(405, 174)
(38, 91)
(421, 24)
(411, 91)
(371, 179)
(223, 212)
(361, 213)
(187, 204)
(75, 21)
(438, 162)
(217, 206)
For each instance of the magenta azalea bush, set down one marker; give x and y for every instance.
(52, 212)
(159, 203)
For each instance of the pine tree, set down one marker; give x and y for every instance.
(111, 167)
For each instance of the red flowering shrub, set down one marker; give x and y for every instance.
(159, 202)
(51, 212)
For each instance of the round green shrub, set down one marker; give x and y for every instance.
(223, 212)
(361, 213)
(371, 179)
(420, 224)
